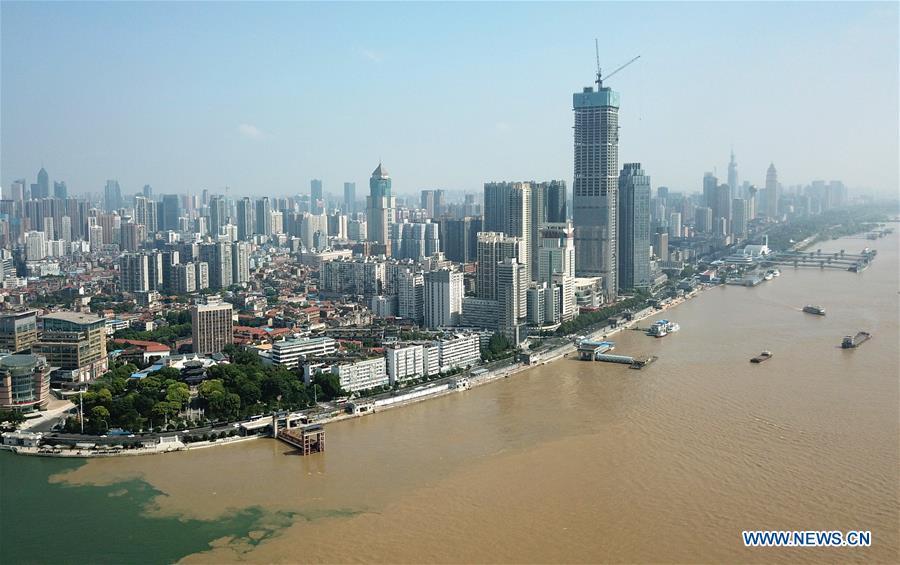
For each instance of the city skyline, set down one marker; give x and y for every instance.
(187, 137)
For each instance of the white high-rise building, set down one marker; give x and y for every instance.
(35, 246)
(443, 298)
(211, 325)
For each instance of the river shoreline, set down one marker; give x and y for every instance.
(551, 356)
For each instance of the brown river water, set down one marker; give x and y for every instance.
(577, 461)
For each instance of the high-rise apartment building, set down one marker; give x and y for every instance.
(443, 298)
(244, 209)
(211, 325)
(494, 247)
(134, 272)
(263, 224)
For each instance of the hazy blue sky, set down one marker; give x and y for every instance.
(263, 97)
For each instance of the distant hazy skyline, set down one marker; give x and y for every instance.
(262, 97)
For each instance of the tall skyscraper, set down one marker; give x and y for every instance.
(379, 206)
(244, 218)
(556, 201)
(634, 227)
(41, 189)
(772, 192)
(733, 175)
(60, 190)
(556, 260)
(710, 183)
(596, 184)
(316, 197)
(112, 196)
(218, 257)
(263, 216)
(216, 215)
(740, 216)
(170, 212)
(350, 197)
(722, 207)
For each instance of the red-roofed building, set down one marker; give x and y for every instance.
(149, 351)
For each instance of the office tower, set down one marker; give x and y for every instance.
(41, 189)
(733, 175)
(147, 192)
(211, 325)
(675, 225)
(24, 383)
(60, 190)
(216, 215)
(459, 238)
(508, 210)
(596, 184)
(350, 197)
(634, 227)
(512, 282)
(703, 219)
(316, 197)
(443, 298)
(35, 246)
(170, 212)
(74, 342)
(772, 192)
(134, 272)
(740, 216)
(722, 208)
(710, 184)
(661, 245)
(411, 295)
(218, 258)
(18, 330)
(133, 235)
(662, 192)
(16, 191)
(244, 218)
(263, 217)
(494, 247)
(240, 259)
(556, 201)
(112, 196)
(379, 206)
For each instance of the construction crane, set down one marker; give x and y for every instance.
(599, 80)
